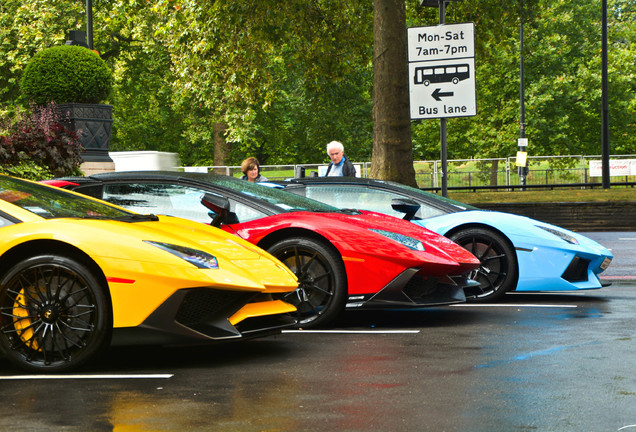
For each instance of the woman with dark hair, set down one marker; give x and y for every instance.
(252, 170)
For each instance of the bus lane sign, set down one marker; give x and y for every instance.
(442, 71)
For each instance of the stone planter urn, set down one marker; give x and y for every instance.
(77, 80)
(93, 124)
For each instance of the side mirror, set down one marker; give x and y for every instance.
(405, 205)
(219, 205)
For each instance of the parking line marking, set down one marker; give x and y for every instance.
(610, 278)
(355, 331)
(106, 376)
(514, 305)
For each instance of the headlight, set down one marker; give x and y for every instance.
(563, 236)
(409, 242)
(195, 257)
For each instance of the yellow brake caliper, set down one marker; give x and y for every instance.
(22, 323)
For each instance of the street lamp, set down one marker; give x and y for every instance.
(78, 37)
(89, 23)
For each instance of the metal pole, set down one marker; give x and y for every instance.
(522, 107)
(89, 23)
(442, 121)
(604, 102)
(442, 132)
(523, 170)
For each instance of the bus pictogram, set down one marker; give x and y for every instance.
(441, 74)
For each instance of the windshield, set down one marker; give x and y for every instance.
(49, 202)
(281, 199)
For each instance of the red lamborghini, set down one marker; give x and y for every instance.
(343, 258)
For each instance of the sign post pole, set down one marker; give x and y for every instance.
(442, 75)
(442, 121)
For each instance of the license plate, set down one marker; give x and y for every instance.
(606, 263)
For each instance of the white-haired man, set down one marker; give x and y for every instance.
(339, 165)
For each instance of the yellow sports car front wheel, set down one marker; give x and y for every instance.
(54, 313)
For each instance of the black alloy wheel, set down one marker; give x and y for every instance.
(322, 288)
(54, 314)
(497, 272)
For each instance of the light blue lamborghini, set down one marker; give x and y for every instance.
(516, 253)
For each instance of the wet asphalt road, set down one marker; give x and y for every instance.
(535, 362)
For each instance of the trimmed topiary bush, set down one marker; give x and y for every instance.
(66, 74)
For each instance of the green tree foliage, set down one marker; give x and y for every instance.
(280, 74)
(622, 76)
(25, 29)
(145, 116)
(287, 77)
(492, 132)
(562, 80)
(564, 96)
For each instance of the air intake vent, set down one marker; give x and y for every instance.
(577, 270)
(203, 304)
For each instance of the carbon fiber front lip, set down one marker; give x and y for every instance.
(410, 290)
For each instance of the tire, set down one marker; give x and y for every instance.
(322, 288)
(54, 314)
(498, 271)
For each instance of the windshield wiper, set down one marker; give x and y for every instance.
(343, 211)
(133, 217)
(137, 218)
(350, 211)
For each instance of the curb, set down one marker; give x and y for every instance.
(618, 280)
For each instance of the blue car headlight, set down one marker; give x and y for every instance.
(200, 259)
(563, 236)
(409, 242)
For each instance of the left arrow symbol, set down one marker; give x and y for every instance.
(438, 94)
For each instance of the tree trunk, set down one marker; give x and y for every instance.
(494, 171)
(221, 146)
(392, 157)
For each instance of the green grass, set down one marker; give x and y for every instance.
(559, 195)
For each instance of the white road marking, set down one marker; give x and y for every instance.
(610, 278)
(106, 376)
(503, 305)
(355, 331)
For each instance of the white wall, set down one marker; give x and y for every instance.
(145, 161)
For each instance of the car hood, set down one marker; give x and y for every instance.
(357, 230)
(240, 262)
(521, 230)
(435, 244)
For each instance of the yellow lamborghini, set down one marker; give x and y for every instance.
(76, 273)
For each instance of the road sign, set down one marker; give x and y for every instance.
(442, 71)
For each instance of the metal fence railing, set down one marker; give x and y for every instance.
(469, 173)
